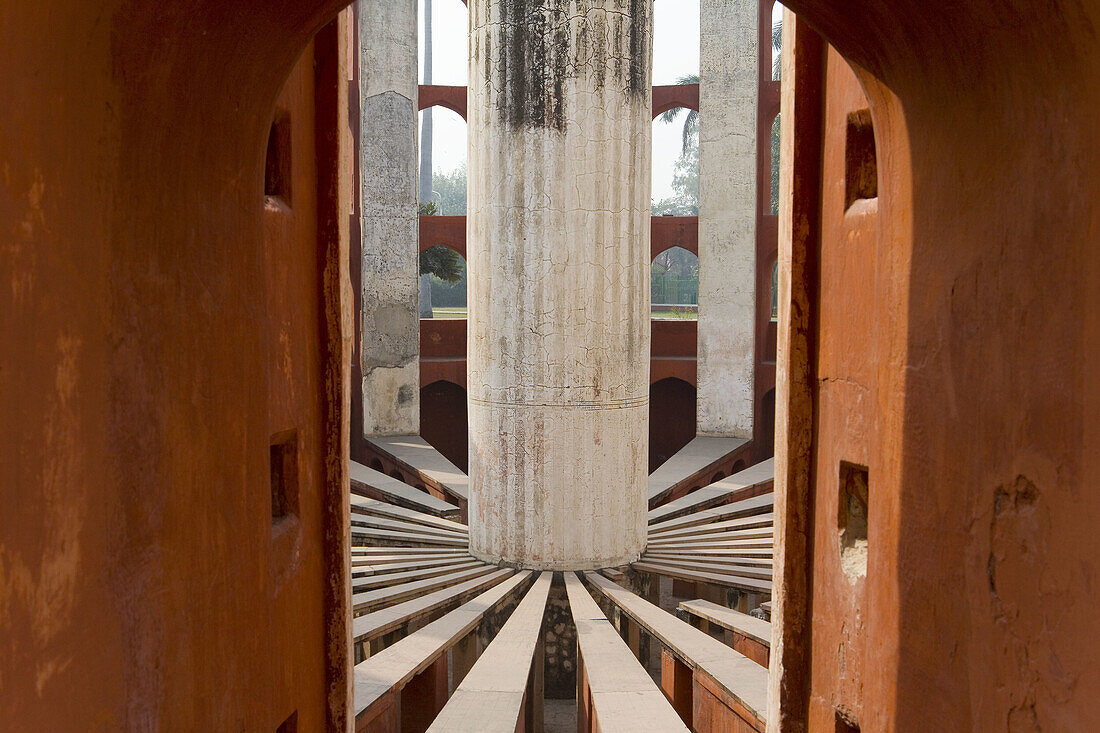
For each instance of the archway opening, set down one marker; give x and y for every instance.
(443, 420)
(444, 269)
(442, 150)
(674, 285)
(675, 160)
(671, 419)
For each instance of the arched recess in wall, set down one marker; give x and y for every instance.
(774, 167)
(674, 285)
(449, 23)
(671, 418)
(444, 269)
(442, 276)
(675, 162)
(771, 326)
(443, 420)
(298, 241)
(802, 425)
(675, 151)
(767, 424)
(448, 158)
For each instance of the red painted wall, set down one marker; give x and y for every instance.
(443, 362)
(954, 356)
(159, 326)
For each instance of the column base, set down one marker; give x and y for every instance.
(563, 565)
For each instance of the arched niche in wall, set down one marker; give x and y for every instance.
(771, 325)
(447, 153)
(675, 163)
(449, 25)
(675, 40)
(671, 418)
(766, 432)
(674, 285)
(777, 127)
(444, 268)
(443, 420)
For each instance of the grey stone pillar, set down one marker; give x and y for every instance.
(388, 172)
(727, 216)
(558, 242)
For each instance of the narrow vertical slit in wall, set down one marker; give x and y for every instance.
(775, 291)
(861, 166)
(853, 504)
(277, 166)
(845, 723)
(284, 474)
(776, 135)
(290, 725)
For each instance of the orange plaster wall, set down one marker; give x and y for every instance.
(981, 590)
(295, 403)
(143, 366)
(851, 315)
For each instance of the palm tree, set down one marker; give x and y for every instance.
(691, 122)
(777, 47)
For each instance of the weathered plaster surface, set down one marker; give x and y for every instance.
(160, 324)
(980, 417)
(388, 171)
(727, 216)
(558, 370)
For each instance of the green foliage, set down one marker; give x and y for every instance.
(775, 164)
(677, 262)
(442, 263)
(685, 184)
(691, 121)
(449, 294)
(777, 46)
(674, 277)
(450, 188)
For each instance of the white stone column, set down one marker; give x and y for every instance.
(728, 99)
(558, 242)
(390, 250)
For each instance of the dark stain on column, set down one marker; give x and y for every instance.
(531, 64)
(539, 50)
(641, 26)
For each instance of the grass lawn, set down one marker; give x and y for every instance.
(674, 315)
(660, 315)
(448, 312)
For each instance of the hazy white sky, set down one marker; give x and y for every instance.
(675, 54)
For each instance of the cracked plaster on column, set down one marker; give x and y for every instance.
(728, 101)
(390, 248)
(558, 352)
